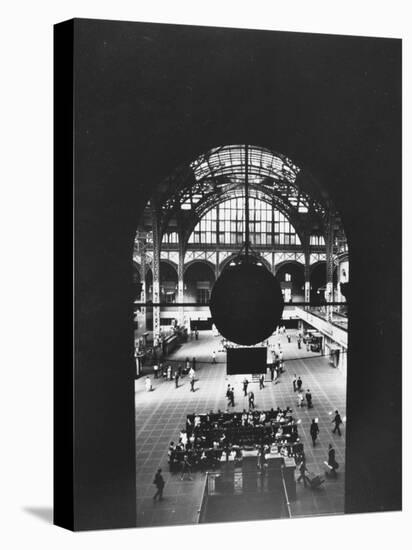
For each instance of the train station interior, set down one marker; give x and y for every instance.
(191, 231)
(174, 123)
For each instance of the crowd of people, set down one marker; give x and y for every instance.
(215, 437)
(208, 436)
(301, 395)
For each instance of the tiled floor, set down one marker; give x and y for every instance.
(161, 413)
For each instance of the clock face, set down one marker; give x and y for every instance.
(246, 303)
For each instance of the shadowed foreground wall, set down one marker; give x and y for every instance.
(149, 98)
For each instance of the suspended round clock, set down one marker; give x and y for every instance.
(246, 303)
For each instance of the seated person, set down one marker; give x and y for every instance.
(171, 453)
(284, 451)
(203, 461)
(183, 438)
(274, 449)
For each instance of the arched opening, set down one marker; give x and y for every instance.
(232, 259)
(318, 283)
(198, 282)
(178, 115)
(292, 281)
(136, 282)
(194, 228)
(168, 283)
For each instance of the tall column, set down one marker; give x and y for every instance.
(338, 297)
(329, 236)
(217, 265)
(180, 286)
(307, 275)
(156, 274)
(142, 247)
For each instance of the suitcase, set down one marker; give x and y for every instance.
(315, 481)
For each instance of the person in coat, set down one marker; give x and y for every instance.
(160, 483)
(303, 470)
(337, 421)
(333, 465)
(314, 431)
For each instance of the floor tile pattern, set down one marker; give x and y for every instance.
(161, 414)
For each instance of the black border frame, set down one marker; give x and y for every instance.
(135, 100)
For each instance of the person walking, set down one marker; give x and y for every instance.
(333, 465)
(314, 431)
(337, 421)
(196, 334)
(303, 470)
(294, 379)
(228, 395)
(261, 381)
(245, 385)
(186, 468)
(251, 400)
(309, 399)
(214, 357)
(148, 384)
(156, 370)
(169, 372)
(176, 379)
(160, 483)
(299, 383)
(232, 397)
(192, 384)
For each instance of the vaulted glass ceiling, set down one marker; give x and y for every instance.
(219, 173)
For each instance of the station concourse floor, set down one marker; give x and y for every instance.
(161, 414)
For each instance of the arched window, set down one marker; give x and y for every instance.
(225, 224)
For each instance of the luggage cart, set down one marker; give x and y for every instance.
(315, 480)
